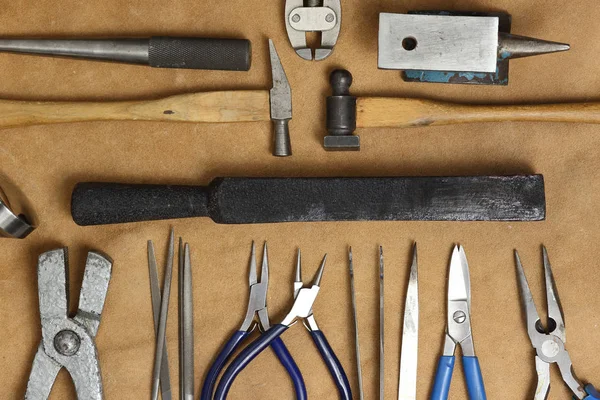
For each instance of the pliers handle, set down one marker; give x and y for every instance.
(333, 364)
(266, 339)
(230, 347)
(473, 376)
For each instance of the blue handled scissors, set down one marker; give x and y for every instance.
(549, 343)
(458, 332)
(257, 305)
(301, 310)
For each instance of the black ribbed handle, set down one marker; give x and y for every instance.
(200, 53)
(113, 203)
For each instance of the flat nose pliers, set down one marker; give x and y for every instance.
(257, 305)
(69, 342)
(549, 342)
(301, 310)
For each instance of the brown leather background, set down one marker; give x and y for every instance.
(45, 162)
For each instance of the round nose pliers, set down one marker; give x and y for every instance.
(257, 305)
(301, 310)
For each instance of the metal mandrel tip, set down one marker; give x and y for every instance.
(514, 46)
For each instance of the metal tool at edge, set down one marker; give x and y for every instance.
(361, 392)
(381, 329)
(407, 377)
(186, 324)
(156, 296)
(162, 324)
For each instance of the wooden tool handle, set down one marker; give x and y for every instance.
(398, 112)
(226, 106)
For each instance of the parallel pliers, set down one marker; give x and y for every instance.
(69, 342)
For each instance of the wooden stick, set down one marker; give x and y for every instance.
(400, 113)
(225, 106)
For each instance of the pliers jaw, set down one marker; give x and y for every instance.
(304, 297)
(326, 19)
(69, 342)
(257, 301)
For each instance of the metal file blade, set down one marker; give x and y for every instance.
(361, 394)
(381, 328)
(407, 385)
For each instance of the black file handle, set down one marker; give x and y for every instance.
(113, 203)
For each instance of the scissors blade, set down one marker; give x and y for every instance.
(407, 385)
(459, 282)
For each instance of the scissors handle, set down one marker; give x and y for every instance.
(215, 369)
(245, 357)
(333, 364)
(593, 394)
(474, 378)
(443, 377)
(291, 367)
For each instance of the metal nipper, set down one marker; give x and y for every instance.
(317, 16)
(549, 342)
(458, 332)
(69, 342)
(301, 310)
(257, 306)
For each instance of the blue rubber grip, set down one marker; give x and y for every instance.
(245, 357)
(474, 378)
(219, 363)
(291, 367)
(592, 392)
(333, 364)
(443, 377)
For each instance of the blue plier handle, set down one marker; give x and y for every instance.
(333, 365)
(230, 347)
(593, 394)
(443, 377)
(266, 340)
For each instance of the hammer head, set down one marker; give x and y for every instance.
(341, 114)
(280, 98)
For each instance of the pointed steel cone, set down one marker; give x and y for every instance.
(514, 46)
